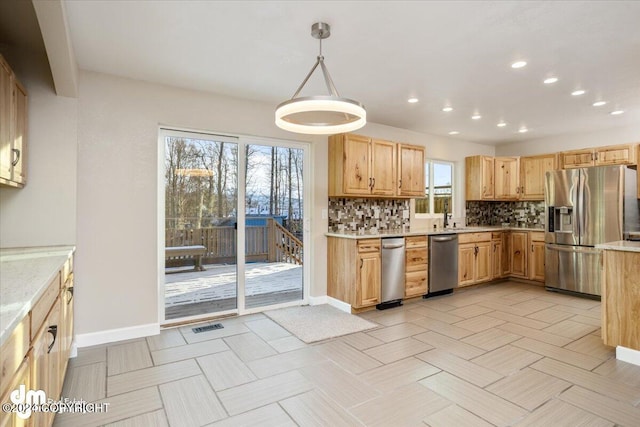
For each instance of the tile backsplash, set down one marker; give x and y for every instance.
(526, 214)
(367, 214)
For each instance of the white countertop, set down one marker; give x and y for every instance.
(24, 275)
(368, 234)
(621, 245)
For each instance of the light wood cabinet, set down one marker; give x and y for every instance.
(354, 271)
(620, 301)
(479, 178)
(519, 254)
(411, 160)
(506, 253)
(536, 256)
(506, 178)
(496, 255)
(533, 171)
(416, 266)
(13, 128)
(361, 166)
(601, 156)
(22, 376)
(474, 258)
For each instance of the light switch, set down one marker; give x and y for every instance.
(325, 213)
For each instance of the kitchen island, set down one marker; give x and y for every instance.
(621, 299)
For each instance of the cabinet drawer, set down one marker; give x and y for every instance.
(42, 307)
(496, 235)
(368, 245)
(415, 260)
(474, 237)
(13, 351)
(415, 283)
(415, 242)
(536, 236)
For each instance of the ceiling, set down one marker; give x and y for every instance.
(381, 53)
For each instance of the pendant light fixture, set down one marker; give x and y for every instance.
(320, 114)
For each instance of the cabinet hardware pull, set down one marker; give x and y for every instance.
(361, 262)
(399, 183)
(53, 330)
(70, 290)
(532, 247)
(374, 183)
(494, 247)
(517, 252)
(17, 159)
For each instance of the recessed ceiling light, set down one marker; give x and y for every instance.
(518, 64)
(454, 132)
(501, 124)
(523, 130)
(412, 100)
(616, 112)
(476, 117)
(550, 80)
(447, 109)
(599, 103)
(578, 92)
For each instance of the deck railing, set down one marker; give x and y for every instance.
(272, 243)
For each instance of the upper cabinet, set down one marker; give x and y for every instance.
(410, 170)
(533, 170)
(601, 156)
(13, 128)
(479, 178)
(506, 171)
(369, 167)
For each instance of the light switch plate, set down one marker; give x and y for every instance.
(325, 213)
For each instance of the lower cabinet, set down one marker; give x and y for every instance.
(354, 271)
(496, 254)
(474, 258)
(22, 376)
(416, 266)
(519, 254)
(536, 256)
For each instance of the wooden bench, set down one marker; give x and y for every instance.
(195, 251)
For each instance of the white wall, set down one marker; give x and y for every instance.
(621, 135)
(44, 211)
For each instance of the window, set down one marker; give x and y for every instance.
(438, 192)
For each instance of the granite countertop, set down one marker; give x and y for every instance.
(620, 245)
(368, 234)
(25, 273)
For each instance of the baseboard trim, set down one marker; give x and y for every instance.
(340, 305)
(113, 335)
(318, 300)
(628, 355)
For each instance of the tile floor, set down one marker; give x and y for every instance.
(502, 354)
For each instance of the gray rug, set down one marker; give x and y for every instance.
(313, 323)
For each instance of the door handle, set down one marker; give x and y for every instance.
(53, 330)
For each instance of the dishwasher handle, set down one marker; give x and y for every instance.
(392, 245)
(444, 238)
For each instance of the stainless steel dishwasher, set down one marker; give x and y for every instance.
(392, 272)
(443, 264)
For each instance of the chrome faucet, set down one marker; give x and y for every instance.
(445, 224)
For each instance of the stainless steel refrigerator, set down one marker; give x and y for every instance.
(585, 207)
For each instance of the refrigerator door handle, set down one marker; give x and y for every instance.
(573, 249)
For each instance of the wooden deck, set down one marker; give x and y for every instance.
(191, 293)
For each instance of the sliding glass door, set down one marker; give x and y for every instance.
(230, 247)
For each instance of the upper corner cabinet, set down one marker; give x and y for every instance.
(13, 128)
(361, 166)
(479, 178)
(410, 170)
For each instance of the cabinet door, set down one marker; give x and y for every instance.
(506, 171)
(577, 158)
(67, 302)
(357, 165)
(383, 168)
(368, 286)
(536, 261)
(415, 271)
(19, 149)
(6, 99)
(532, 175)
(483, 262)
(466, 261)
(519, 254)
(488, 183)
(506, 253)
(410, 170)
(616, 155)
(22, 376)
(496, 259)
